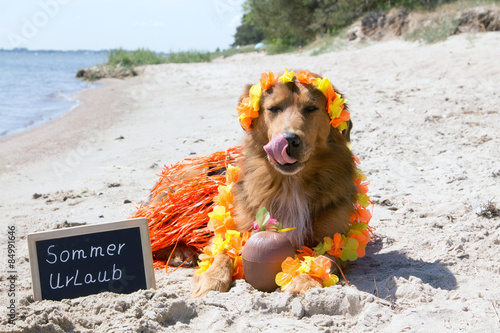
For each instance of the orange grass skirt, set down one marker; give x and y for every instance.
(179, 203)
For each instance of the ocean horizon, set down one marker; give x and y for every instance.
(39, 86)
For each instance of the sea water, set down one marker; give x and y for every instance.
(38, 86)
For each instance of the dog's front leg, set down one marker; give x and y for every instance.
(302, 283)
(217, 278)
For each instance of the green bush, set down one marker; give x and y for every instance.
(188, 57)
(134, 58)
(140, 57)
(249, 32)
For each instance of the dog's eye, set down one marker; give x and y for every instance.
(310, 109)
(274, 109)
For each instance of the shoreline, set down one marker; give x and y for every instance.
(28, 140)
(426, 123)
(62, 111)
(34, 125)
(38, 93)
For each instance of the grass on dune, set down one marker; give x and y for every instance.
(140, 57)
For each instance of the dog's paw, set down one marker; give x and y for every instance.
(302, 283)
(217, 278)
(177, 255)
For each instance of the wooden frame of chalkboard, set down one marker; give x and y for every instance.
(85, 260)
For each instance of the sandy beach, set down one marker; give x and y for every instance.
(426, 122)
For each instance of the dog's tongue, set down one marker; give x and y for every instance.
(276, 150)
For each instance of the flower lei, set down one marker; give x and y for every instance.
(249, 106)
(316, 267)
(221, 223)
(309, 261)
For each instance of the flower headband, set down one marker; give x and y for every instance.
(249, 106)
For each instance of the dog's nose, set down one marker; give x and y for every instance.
(294, 143)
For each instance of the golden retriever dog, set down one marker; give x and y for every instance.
(309, 186)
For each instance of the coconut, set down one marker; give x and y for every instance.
(262, 257)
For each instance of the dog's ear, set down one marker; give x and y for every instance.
(347, 132)
(246, 93)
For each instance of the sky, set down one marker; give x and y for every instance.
(157, 25)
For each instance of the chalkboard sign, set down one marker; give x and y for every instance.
(80, 261)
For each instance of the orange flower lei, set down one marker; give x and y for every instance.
(316, 267)
(249, 106)
(352, 246)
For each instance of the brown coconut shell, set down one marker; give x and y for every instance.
(262, 257)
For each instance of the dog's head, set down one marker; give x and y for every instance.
(293, 123)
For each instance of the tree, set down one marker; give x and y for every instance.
(248, 32)
(284, 22)
(287, 23)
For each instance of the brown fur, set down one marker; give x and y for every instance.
(315, 195)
